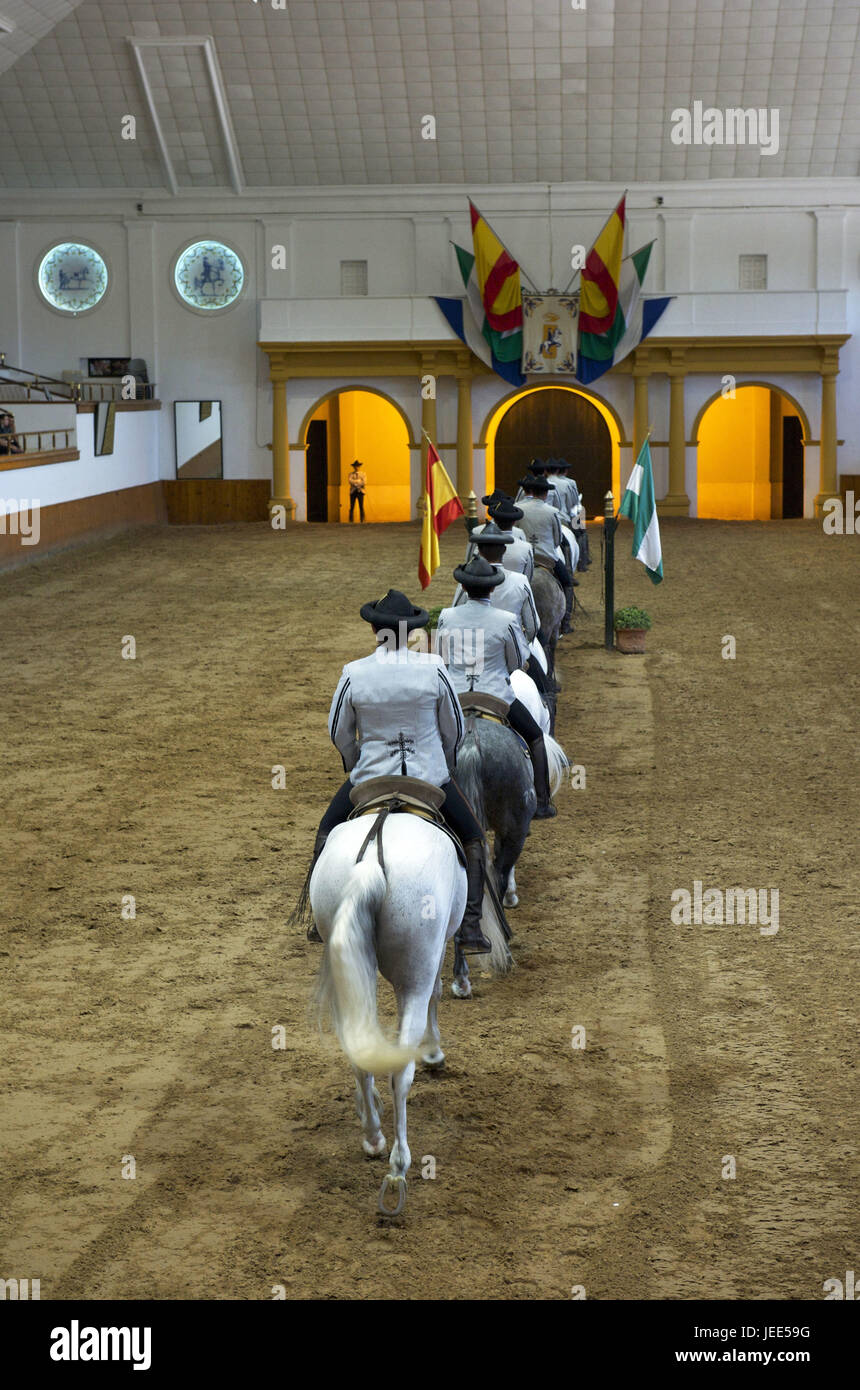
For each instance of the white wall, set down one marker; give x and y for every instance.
(809, 230)
(133, 462)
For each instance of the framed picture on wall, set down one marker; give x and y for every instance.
(107, 366)
(197, 425)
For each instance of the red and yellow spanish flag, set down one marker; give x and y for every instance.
(498, 276)
(598, 287)
(441, 507)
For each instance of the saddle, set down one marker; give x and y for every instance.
(411, 791)
(384, 796)
(477, 702)
(543, 562)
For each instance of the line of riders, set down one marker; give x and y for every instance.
(398, 711)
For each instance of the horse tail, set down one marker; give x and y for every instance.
(557, 761)
(469, 778)
(347, 982)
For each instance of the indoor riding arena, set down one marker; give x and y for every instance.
(261, 385)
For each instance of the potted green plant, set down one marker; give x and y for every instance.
(631, 624)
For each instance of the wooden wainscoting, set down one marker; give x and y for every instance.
(216, 501)
(85, 519)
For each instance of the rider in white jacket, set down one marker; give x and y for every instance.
(481, 646)
(396, 712)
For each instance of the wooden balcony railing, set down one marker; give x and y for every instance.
(35, 441)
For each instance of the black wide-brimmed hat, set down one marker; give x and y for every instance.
(493, 498)
(506, 512)
(478, 574)
(392, 609)
(561, 464)
(538, 466)
(491, 534)
(530, 484)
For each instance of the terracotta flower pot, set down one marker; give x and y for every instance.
(630, 639)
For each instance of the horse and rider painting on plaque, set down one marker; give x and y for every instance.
(549, 334)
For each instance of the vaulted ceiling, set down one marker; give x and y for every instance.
(333, 92)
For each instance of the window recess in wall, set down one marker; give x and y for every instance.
(752, 272)
(353, 277)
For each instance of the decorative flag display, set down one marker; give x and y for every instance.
(497, 275)
(441, 507)
(549, 334)
(579, 335)
(466, 317)
(598, 286)
(638, 504)
(634, 319)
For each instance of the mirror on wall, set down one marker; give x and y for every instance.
(198, 439)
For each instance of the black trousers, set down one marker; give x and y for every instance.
(353, 498)
(455, 809)
(520, 720)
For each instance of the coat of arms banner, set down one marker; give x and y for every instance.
(549, 334)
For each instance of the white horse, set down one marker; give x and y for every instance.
(399, 920)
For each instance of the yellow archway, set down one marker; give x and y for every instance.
(741, 471)
(365, 424)
(610, 416)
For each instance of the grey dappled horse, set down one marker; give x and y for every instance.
(397, 919)
(549, 602)
(494, 771)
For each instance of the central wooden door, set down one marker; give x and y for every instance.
(553, 423)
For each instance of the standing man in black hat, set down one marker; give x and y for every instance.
(481, 646)
(394, 713)
(357, 485)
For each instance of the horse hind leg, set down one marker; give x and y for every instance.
(461, 985)
(431, 1054)
(367, 1109)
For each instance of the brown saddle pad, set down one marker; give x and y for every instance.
(481, 703)
(412, 791)
(543, 562)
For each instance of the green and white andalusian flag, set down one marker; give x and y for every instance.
(639, 505)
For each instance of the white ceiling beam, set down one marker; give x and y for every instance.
(219, 96)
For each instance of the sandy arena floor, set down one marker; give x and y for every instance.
(555, 1167)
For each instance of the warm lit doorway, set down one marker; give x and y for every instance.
(750, 456)
(555, 422)
(364, 425)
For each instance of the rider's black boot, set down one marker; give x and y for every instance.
(545, 809)
(469, 934)
(319, 845)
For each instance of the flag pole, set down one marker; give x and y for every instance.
(610, 524)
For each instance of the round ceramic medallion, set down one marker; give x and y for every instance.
(72, 277)
(208, 275)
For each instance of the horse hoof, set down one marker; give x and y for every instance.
(461, 991)
(434, 1061)
(376, 1150)
(511, 900)
(399, 1185)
